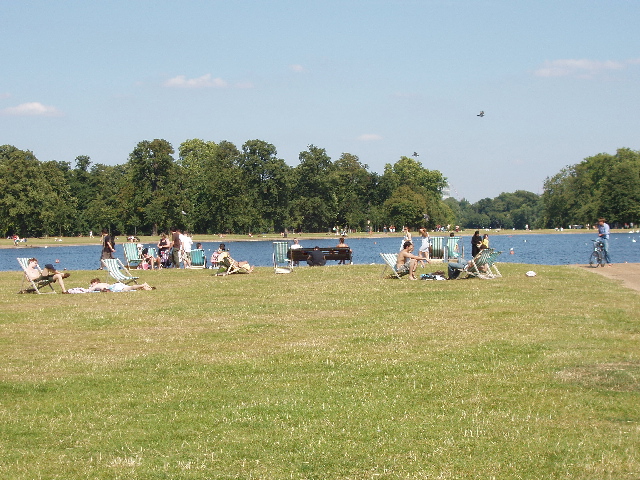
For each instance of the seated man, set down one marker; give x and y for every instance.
(98, 286)
(407, 261)
(342, 244)
(295, 246)
(48, 275)
(316, 258)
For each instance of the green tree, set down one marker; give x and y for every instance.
(315, 206)
(155, 196)
(352, 183)
(266, 186)
(23, 192)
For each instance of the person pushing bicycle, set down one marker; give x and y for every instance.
(603, 235)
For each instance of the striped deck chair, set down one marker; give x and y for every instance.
(197, 258)
(118, 271)
(132, 255)
(281, 261)
(390, 261)
(453, 249)
(484, 265)
(32, 286)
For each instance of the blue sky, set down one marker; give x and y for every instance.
(558, 81)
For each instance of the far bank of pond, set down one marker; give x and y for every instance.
(528, 248)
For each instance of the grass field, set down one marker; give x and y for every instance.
(326, 373)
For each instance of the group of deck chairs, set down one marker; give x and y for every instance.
(114, 267)
(134, 258)
(483, 265)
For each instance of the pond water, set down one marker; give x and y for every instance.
(538, 249)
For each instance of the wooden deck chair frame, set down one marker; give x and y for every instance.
(118, 271)
(485, 257)
(390, 262)
(132, 254)
(35, 285)
(281, 261)
(197, 258)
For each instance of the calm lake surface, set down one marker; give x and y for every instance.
(537, 249)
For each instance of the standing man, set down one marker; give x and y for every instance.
(108, 246)
(603, 233)
(176, 244)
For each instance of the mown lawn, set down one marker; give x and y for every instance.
(327, 373)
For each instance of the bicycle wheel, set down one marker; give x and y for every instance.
(594, 260)
(601, 258)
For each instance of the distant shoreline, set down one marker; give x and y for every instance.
(84, 241)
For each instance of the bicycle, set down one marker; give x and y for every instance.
(597, 256)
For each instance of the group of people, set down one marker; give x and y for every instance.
(49, 274)
(407, 263)
(315, 257)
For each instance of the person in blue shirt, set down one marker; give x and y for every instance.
(603, 234)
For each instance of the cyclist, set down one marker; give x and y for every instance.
(603, 234)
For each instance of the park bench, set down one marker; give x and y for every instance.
(330, 253)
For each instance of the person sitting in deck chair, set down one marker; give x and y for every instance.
(407, 261)
(456, 268)
(49, 274)
(227, 265)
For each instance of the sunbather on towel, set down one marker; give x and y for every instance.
(49, 273)
(98, 286)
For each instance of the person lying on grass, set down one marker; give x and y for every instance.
(98, 286)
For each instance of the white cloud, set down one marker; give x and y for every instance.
(579, 67)
(205, 81)
(4, 95)
(32, 109)
(297, 68)
(369, 137)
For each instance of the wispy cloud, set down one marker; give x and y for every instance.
(32, 109)
(205, 81)
(369, 137)
(4, 95)
(297, 68)
(580, 67)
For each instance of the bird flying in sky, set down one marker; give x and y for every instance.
(481, 114)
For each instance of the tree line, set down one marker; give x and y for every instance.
(218, 188)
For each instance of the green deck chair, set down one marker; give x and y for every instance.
(281, 261)
(132, 255)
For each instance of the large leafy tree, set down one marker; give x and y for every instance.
(267, 186)
(155, 196)
(315, 206)
(24, 191)
(601, 185)
(409, 175)
(352, 183)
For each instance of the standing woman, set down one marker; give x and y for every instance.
(423, 252)
(406, 238)
(476, 241)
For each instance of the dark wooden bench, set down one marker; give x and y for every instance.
(330, 253)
